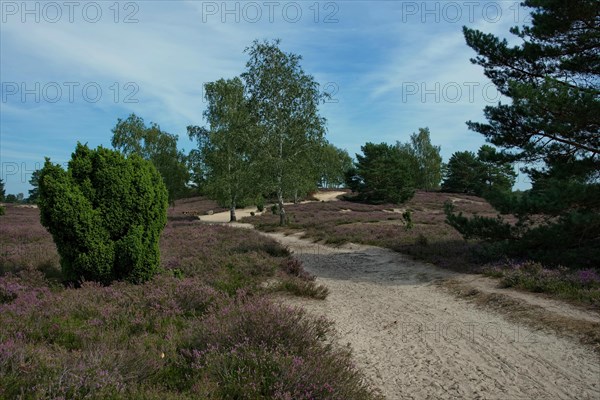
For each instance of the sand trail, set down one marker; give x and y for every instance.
(415, 340)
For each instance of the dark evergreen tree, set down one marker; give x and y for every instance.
(35, 183)
(552, 123)
(105, 214)
(483, 174)
(383, 173)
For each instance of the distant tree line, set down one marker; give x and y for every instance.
(392, 173)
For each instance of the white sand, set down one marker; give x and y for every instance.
(223, 217)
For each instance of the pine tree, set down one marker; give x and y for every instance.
(552, 123)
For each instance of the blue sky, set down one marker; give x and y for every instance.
(68, 71)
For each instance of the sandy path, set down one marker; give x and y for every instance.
(223, 217)
(417, 341)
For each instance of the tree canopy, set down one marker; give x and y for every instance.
(553, 123)
(383, 173)
(227, 147)
(284, 101)
(552, 81)
(132, 136)
(428, 174)
(34, 192)
(481, 174)
(333, 165)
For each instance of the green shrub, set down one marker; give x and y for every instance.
(2, 210)
(105, 214)
(260, 204)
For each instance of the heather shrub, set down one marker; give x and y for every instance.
(253, 349)
(105, 214)
(294, 267)
(581, 285)
(176, 336)
(302, 287)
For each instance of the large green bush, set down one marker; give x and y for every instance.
(105, 213)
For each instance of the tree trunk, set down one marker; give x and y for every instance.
(281, 209)
(280, 183)
(232, 217)
(296, 196)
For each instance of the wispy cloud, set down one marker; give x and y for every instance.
(364, 53)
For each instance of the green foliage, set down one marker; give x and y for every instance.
(2, 210)
(105, 214)
(260, 203)
(151, 143)
(572, 239)
(551, 123)
(333, 164)
(485, 228)
(35, 182)
(461, 173)
(428, 159)
(582, 285)
(485, 174)
(2, 191)
(383, 173)
(227, 149)
(551, 78)
(195, 165)
(11, 198)
(284, 101)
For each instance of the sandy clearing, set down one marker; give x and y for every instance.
(415, 341)
(328, 196)
(223, 217)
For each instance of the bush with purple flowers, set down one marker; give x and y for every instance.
(580, 285)
(201, 329)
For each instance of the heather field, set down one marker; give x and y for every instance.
(203, 328)
(427, 237)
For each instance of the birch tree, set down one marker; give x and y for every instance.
(284, 100)
(227, 146)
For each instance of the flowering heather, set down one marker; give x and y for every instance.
(588, 277)
(267, 350)
(147, 341)
(582, 286)
(25, 243)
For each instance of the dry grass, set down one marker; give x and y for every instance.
(537, 317)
